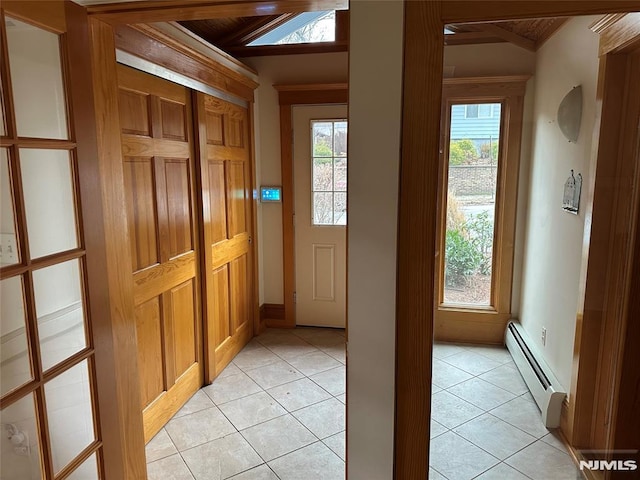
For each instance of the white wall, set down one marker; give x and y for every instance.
(488, 59)
(554, 238)
(315, 68)
(375, 101)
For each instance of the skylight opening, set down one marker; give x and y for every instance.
(308, 27)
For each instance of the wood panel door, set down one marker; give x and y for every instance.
(155, 120)
(227, 212)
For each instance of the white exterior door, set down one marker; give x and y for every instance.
(320, 178)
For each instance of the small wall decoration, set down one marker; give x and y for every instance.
(570, 114)
(571, 198)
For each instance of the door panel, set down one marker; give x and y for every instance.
(150, 351)
(158, 165)
(225, 174)
(320, 176)
(138, 181)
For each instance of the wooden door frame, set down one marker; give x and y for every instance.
(288, 97)
(423, 52)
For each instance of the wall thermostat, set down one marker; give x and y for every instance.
(271, 194)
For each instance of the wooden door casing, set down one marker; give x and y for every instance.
(157, 154)
(227, 212)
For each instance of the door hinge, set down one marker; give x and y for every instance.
(295, 297)
(250, 239)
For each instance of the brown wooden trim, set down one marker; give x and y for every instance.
(102, 182)
(462, 11)
(293, 49)
(288, 235)
(471, 38)
(258, 325)
(189, 52)
(289, 95)
(164, 11)
(272, 311)
(618, 32)
(138, 43)
(45, 14)
(508, 35)
(423, 56)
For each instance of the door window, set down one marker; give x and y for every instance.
(329, 173)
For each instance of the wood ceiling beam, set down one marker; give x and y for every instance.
(470, 38)
(176, 10)
(254, 30)
(507, 35)
(464, 11)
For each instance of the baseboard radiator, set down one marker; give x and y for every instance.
(543, 385)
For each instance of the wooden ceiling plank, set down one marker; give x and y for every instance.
(463, 11)
(548, 33)
(176, 10)
(508, 35)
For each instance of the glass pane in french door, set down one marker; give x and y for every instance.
(19, 441)
(471, 201)
(60, 312)
(47, 181)
(15, 368)
(36, 80)
(70, 414)
(87, 471)
(9, 254)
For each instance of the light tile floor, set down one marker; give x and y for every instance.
(485, 424)
(278, 412)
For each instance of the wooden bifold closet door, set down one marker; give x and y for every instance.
(225, 175)
(158, 164)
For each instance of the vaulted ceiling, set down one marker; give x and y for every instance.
(233, 34)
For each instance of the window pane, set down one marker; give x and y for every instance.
(8, 245)
(49, 201)
(340, 208)
(340, 175)
(322, 174)
(60, 312)
(36, 78)
(87, 471)
(20, 455)
(322, 139)
(340, 139)
(70, 414)
(14, 356)
(306, 27)
(323, 208)
(473, 168)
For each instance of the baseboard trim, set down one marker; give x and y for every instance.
(272, 314)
